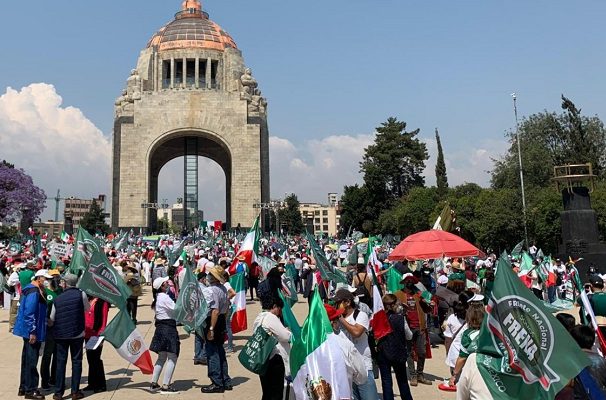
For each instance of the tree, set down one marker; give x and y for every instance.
(354, 205)
(548, 140)
(441, 177)
(19, 197)
(94, 220)
(290, 216)
(394, 163)
(412, 214)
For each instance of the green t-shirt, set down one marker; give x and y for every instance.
(469, 342)
(25, 277)
(598, 302)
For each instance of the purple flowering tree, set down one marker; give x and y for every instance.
(20, 199)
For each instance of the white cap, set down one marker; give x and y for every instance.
(476, 297)
(159, 281)
(44, 273)
(361, 260)
(442, 280)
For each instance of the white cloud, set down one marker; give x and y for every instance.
(58, 146)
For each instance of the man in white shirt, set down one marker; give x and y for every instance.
(471, 385)
(355, 324)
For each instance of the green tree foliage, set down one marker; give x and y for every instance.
(356, 209)
(412, 214)
(94, 220)
(441, 177)
(290, 216)
(394, 163)
(548, 140)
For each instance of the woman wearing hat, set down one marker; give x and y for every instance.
(166, 338)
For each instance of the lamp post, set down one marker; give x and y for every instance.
(515, 111)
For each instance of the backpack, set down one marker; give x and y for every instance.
(264, 289)
(362, 291)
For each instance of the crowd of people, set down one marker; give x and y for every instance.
(428, 302)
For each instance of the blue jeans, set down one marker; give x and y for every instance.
(387, 382)
(29, 362)
(217, 363)
(551, 293)
(367, 391)
(74, 346)
(199, 348)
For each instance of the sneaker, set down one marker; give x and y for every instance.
(229, 349)
(414, 381)
(168, 390)
(212, 389)
(421, 379)
(35, 395)
(154, 387)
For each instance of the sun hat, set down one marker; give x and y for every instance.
(217, 272)
(42, 272)
(158, 282)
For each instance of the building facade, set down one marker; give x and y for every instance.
(322, 218)
(189, 96)
(76, 208)
(52, 228)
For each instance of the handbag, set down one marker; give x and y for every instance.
(256, 351)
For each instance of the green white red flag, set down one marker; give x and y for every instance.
(122, 333)
(249, 248)
(238, 318)
(64, 236)
(316, 359)
(524, 352)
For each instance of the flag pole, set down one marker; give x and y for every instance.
(515, 111)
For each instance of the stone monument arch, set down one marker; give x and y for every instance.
(190, 96)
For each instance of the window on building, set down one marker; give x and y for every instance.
(324, 212)
(202, 79)
(214, 68)
(317, 227)
(166, 73)
(178, 72)
(190, 80)
(325, 228)
(317, 212)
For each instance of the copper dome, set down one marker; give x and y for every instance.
(192, 28)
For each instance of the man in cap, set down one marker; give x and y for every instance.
(355, 324)
(416, 314)
(214, 332)
(67, 320)
(31, 326)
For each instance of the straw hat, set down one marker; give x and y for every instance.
(217, 272)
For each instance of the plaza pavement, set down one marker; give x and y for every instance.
(126, 382)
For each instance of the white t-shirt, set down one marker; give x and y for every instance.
(471, 385)
(453, 323)
(455, 348)
(165, 307)
(360, 343)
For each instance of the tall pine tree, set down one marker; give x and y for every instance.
(94, 220)
(441, 177)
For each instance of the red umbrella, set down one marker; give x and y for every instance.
(432, 244)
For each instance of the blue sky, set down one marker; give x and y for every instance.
(337, 68)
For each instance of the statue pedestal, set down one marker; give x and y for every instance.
(580, 236)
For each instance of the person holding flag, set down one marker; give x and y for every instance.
(166, 341)
(355, 325)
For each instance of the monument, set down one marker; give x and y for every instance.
(190, 95)
(580, 235)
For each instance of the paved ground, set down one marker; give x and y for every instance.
(124, 381)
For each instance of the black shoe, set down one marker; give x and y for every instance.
(35, 395)
(21, 393)
(212, 389)
(153, 387)
(87, 389)
(201, 362)
(100, 390)
(229, 387)
(168, 390)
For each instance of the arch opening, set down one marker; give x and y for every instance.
(212, 164)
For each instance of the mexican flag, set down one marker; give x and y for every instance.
(249, 247)
(64, 236)
(524, 352)
(379, 321)
(316, 359)
(238, 317)
(122, 333)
